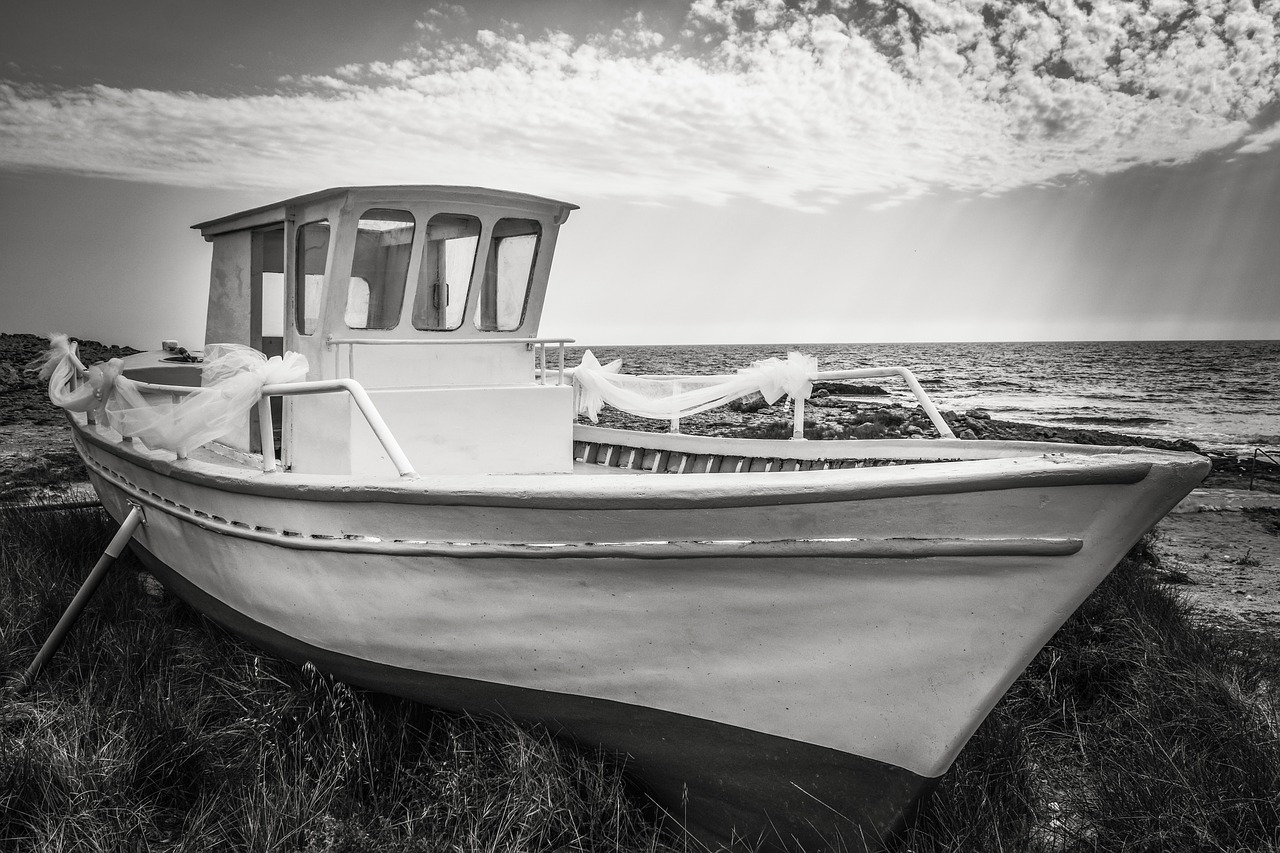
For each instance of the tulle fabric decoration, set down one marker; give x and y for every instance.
(60, 366)
(232, 377)
(662, 398)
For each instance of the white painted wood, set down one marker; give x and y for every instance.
(896, 659)
(411, 366)
(523, 429)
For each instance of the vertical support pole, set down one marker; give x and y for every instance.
(173, 407)
(797, 420)
(23, 682)
(675, 420)
(266, 434)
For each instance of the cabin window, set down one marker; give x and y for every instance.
(312, 258)
(448, 259)
(508, 273)
(384, 243)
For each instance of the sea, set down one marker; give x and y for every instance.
(1222, 395)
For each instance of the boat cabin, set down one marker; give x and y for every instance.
(429, 296)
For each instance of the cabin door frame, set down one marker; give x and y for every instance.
(267, 314)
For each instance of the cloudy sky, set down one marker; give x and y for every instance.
(748, 170)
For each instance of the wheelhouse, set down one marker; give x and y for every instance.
(429, 296)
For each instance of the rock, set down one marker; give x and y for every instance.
(150, 586)
(978, 414)
(889, 418)
(849, 389)
(967, 434)
(753, 402)
(10, 379)
(868, 430)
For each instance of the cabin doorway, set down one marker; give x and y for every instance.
(266, 322)
(267, 280)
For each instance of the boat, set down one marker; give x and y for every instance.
(377, 466)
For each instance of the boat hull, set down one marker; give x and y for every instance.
(703, 775)
(781, 660)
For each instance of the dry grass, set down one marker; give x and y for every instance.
(153, 729)
(1133, 730)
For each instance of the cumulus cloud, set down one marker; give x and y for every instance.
(799, 104)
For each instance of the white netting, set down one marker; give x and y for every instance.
(595, 384)
(233, 376)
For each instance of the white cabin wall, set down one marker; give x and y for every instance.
(526, 429)
(416, 365)
(229, 318)
(321, 433)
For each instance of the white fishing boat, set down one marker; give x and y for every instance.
(790, 639)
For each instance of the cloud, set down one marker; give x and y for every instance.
(793, 105)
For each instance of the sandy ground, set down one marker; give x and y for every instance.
(1221, 546)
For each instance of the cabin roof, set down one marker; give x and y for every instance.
(483, 195)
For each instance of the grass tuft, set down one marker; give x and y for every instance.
(1135, 729)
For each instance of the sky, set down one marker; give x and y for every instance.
(747, 170)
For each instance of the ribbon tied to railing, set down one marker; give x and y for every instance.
(231, 383)
(665, 398)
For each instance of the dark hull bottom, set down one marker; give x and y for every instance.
(721, 782)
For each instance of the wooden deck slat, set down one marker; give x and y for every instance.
(661, 461)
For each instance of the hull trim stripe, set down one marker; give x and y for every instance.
(892, 548)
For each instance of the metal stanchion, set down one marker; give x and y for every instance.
(22, 683)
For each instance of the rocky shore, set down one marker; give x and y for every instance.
(23, 397)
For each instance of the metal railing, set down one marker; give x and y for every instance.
(935, 417)
(797, 417)
(288, 389)
(1253, 469)
(266, 421)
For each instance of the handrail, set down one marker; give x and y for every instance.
(935, 417)
(797, 423)
(1253, 469)
(289, 389)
